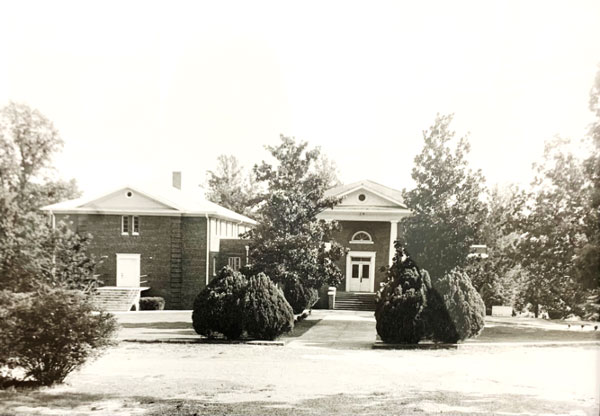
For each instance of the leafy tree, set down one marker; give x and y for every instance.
(498, 276)
(588, 257)
(447, 202)
(557, 224)
(290, 244)
(28, 244)
(328, 171)
(230, 187)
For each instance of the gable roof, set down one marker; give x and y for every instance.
(392, 195)
(172, 200)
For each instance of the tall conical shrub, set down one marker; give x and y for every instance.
(455, 311)
(267, 313)
(400, 301)
(219, 307)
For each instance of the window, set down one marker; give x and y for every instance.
(135, 221)
(130, 224)
(361, 237)
(235, 262)
(362, 197)
(214, 264)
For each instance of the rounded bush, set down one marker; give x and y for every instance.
(218, 309)
(152, 303)
(455, 311)
(300, 297)
(267, 313)
(400, 302)
(50, 333)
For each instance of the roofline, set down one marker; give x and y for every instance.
(362, 186)
(156, 213)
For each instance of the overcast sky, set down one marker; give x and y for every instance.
(139, 89)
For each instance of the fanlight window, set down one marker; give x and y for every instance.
(361, 237)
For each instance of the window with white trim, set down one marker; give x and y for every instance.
(124, 225)
(135, 223)
(234, 262)
(361, 237)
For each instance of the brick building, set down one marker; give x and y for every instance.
(166, 240)
(368, 215)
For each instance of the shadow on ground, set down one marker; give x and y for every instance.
(425, 403)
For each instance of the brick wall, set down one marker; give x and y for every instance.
(380, 233)
(194, 241)
(172, 253)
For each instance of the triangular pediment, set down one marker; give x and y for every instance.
(127, 199)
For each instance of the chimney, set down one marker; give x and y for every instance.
(177, 180)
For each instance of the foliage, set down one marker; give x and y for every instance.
(230, 187)
(232, 304)
(447, 202)
(267, 314)
(290, 244)
(27, 142)
(401, 301)
(218, 309)
(498, 277)
(455, 311)
(152, 303)
(557, 225)
(50, 333)
(300, 297)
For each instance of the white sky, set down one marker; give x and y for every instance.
(139, 89)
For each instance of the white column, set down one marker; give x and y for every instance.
(393, 237)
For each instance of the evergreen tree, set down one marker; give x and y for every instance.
(447, 204)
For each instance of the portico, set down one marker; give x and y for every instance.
(369, 215)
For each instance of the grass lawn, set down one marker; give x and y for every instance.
(340, 375)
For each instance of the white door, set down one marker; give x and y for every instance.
(128, 270)
(360, 272)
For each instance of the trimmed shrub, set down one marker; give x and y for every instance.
(50, 333)
(300, 297)
(455, 311)
(218, 309)
(400, 301)
(267, 313)
(233, 305)
(152, 303)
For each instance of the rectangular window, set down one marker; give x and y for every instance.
(214, 266)
(235, 262)
(355, 271)
(135, 222)
(124, 225)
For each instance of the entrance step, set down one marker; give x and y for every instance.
(117, 299)
(354, 301)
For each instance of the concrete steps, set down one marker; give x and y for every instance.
(117, 299)
(354, 301)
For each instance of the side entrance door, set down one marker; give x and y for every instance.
(128, 270)
(360, 272)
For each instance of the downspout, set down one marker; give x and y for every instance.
(207, 247)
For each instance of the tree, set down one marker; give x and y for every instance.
(28, 245)
(230, 187)
(497, 276)
(448, 210)
(557, 224)
(290, 244)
